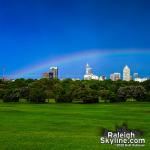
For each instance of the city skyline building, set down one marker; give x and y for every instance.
(140, 79)
(115, 76)
(88, 69)
(89, 74)
(126, 73)
(112, 77)
(135, 75)
(53, 72)
(46, 75)
(50, 75)
(102, 78)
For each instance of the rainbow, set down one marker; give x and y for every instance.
(66, 59)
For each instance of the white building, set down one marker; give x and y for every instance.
(135, 75)
(140, 79)
(126, 73)
(75, 79)
(89, 75)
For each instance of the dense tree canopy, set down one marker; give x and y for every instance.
(92, 91)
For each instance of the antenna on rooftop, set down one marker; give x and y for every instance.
(3, 73)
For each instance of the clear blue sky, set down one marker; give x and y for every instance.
(32, 31)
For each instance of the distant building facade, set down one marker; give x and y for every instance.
(75, 79)
(140, 79)
(102, 78)
(50, 75)
(46, 75)
(135, 75)
(126, 73)
(115, 76)
(54, 72)
(89, 74)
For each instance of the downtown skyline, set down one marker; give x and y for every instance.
(36, 32)
(93, 57)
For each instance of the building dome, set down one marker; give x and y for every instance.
(126, 67)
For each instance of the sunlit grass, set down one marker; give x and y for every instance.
(68, 126)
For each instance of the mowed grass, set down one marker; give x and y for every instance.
(68, 126)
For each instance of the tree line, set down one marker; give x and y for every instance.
(67, 90)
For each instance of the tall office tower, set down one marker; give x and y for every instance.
(53, 72)
(126, 73)
(88, 70)
(88, 74)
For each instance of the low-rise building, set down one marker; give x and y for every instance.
(115, 76)
(140, 79)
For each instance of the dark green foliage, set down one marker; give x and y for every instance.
(63, 91)
(85, 94)
(122, 94)
(104, 94)
(135, 92)
(37, 96)
(68, 91)
(147, 97)
(24, 92)
(11, 96)
(89, 96)
(146, 85)
(2, 92)
(113, 97)
(139, 93)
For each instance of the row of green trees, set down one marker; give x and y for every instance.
(92, 91)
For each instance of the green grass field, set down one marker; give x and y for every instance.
(68, 126)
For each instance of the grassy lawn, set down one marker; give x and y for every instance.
(68, 126)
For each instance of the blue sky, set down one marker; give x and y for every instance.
(32, 31)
